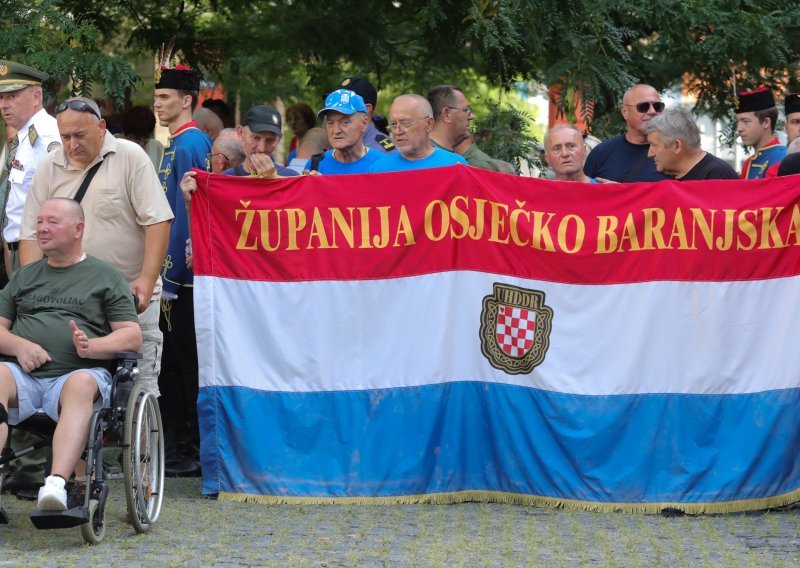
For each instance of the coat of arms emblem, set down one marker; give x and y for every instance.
(515, 328)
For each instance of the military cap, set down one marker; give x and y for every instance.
(363, 87)
(791, 103)
(15, 76)
(752, 101)
(180, 78)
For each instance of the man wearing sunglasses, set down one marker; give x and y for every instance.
(127, 214)
(37, 134)
(624, 158)
(756, 115)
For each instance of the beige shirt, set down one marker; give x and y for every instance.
(123, 198)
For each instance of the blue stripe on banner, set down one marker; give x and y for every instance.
(497, 437)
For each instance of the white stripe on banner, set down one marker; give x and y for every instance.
(654, 337)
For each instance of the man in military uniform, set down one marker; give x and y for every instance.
(373, 139)
(176, 93)
(37, 134)
(756, 115)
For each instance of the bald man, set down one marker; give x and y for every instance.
(411, 122)
(624, 158)
(208, 122)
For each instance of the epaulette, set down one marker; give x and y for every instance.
(33, 136)
(385, 141)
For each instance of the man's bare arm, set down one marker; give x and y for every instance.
(156, 239)
(124, 336)
(30, 355)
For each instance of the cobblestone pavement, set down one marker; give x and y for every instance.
(194, 531)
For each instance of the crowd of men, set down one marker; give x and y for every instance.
(71, 189)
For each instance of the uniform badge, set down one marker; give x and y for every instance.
(17, 165)
(345, 82)
(387, 143)
(515, 328)
(33, 136)
(52, 146)
(3, 69)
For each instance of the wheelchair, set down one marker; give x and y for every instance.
(132, 422)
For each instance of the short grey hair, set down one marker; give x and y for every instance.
(676, 124)
(228, 142)
(561, 126)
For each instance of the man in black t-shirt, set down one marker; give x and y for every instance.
(675, 147)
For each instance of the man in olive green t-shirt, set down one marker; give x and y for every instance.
(60, 318)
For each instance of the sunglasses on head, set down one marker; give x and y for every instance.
(643, 107)
(78, 105)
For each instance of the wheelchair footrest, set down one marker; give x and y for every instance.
(60, 519)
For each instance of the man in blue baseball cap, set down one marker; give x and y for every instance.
(346, 120)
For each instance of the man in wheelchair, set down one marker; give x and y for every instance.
(61, 319)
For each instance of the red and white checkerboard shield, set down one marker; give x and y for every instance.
(515, 330)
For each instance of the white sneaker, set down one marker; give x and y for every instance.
(52, 495)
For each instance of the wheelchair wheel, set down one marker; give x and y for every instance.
(94, 531)
(143, 459)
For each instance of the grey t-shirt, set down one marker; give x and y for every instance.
(40, 300)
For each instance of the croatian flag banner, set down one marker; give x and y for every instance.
(455, 334)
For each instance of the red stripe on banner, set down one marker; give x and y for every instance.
(462, 218)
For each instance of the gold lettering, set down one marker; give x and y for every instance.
(364, 214)
(498, 222)
(769, 228)
(263, 218)
(241, 244)
(748, 228)
(318, 232)
(706, 227)
(383, 240)
(679, 232)
(794, 227)
(297, 222)
(445, 220)
(725, 242)
(459, 216)
(404, 228)
(513, 219)
(476, 231)
(343, 225)
(541, 232)
(652, 230)
(606, 236)
(629, 234)
(580, 232)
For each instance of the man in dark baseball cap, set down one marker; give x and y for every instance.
(373, 138)
(260, 132)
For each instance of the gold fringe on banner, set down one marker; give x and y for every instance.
(523, 499)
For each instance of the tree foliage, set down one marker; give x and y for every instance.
(294, 49)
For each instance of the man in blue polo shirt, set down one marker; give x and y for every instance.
(346, 120)
(411, 121)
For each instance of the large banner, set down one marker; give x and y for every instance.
(456, 334)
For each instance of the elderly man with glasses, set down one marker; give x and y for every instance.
(127, 214)
(624, 158)
(226, 152)
(411, 121)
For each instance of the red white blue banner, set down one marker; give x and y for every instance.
(456, 334)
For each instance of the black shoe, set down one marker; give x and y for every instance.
(185, 468)
(76, 497)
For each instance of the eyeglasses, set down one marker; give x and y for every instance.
(467, 109)
(643, 107)
(210, 156)
(405, 124)
(78, 105)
